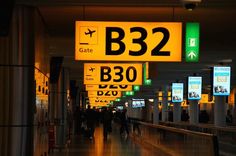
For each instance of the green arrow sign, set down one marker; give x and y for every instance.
(192, 42)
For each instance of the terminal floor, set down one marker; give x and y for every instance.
(114, 146)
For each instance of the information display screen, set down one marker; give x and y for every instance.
(221, 81)
(177, 92)
(137, 103)
(194, 87)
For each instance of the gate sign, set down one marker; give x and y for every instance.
(221, 81)
(108, 87)
(104, 94)
(113, 74)
(177, 92)
(128, 41)
(194, 87)
(101, 100)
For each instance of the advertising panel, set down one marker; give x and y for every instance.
(177, 92)
(194, 87)
(221, 81)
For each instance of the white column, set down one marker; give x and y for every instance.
(219, 111)
(193, 112)
(155, 112)
(234, 110)
(164, 112)
(177, 112)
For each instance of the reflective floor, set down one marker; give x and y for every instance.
(114, 146)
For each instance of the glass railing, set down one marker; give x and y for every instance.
(175, 141)
(226, 135)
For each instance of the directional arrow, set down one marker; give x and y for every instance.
(191, 55)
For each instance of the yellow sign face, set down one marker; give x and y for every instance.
(104, 94)
(113, 74)
(101, 100)
(128, 41)
(108, 87)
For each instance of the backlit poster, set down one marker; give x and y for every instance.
(177, 92)
(221, 81)
(194, 87)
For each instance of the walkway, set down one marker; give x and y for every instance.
(114, 146)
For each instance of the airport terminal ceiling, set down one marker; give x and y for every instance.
(217, 32)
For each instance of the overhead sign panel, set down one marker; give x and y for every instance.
(194, 87)
(110, 74)
(192, 42)
(221, 81)
(128, 41)
(177, 92)
(104, 94)
(108, 87)
(101, 101)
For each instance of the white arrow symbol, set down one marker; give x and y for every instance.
(191, 55)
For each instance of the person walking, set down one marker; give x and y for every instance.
(124, 123)
(91, 120)
(107, 120)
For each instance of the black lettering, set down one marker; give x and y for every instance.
(128, 74)
(113, 86)
(105, 74)
(114, 93)
(166, 35)
(107, 93)
(110, 40)
(139, 41)
(99, 93)
(102, 86)
(119, 73)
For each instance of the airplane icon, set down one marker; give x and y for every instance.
(91, 69)
(90, 32)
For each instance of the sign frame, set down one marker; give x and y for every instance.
(223, 74)
(177, 91)
(194, 87)
(128, 41)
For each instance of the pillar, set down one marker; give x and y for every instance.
(193, 112)
(234, 111)
(17, 91)
(219, 111)
(164, 112)
(177, 112)
(155, 112)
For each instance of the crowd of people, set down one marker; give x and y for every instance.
(91, 117)
(88, 119)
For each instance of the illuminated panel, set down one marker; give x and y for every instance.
(104, 93)
(221, 81)
(128, 41)
(177, 92)
(108, 87)
(111, 74)
(194, 87)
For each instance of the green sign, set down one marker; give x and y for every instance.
(192, 42)
(129, 93)
(118, 99)
(148, 82)
(136, 88)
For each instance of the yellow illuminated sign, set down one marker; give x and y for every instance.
(108, 87)
(128, 41)
(110, 74)
(101, 100)
(104, 93)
